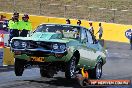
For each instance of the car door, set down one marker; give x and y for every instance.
(86, 53)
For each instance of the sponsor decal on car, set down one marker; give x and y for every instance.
(128, 33)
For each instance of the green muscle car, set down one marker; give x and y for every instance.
(58, 47)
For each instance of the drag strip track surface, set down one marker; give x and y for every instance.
(118, 66)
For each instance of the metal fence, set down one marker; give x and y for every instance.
(46, 8)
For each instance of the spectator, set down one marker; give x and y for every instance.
(2, 18)
(26, 26)
(79, 22)
(5, 22)
(68, 21)
(91, 29)
(100, 31)
(14, 26)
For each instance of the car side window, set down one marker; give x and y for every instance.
(86, 37)
(83, 36)
(89, 37)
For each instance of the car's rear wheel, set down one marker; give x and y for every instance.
(96, 73)
(70, 68)
(46, 73)
(19, 66)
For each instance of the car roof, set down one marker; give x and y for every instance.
(60, 24)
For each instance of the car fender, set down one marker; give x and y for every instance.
(99, 59)
(95, 61)
(71, 51)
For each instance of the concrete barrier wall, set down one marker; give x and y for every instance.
(8, 58)
(112, 32)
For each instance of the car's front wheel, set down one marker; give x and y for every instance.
(19, 66)
(70, 68)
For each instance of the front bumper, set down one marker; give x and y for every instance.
(49, 55)
(37, 52)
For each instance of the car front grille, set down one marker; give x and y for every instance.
(39, 44)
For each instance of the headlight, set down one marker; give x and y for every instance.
(16, 43)
(62, 47)
(24, 44)
(55, 46)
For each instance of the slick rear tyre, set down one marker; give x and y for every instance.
(45, 73)
(96, 73)
(19, 66)
(71, 68)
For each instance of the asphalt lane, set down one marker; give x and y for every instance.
(118, 66)
(119, 61)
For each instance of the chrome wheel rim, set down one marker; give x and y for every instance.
(98, 71)
(72, 67)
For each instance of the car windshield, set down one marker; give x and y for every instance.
(68, 31)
